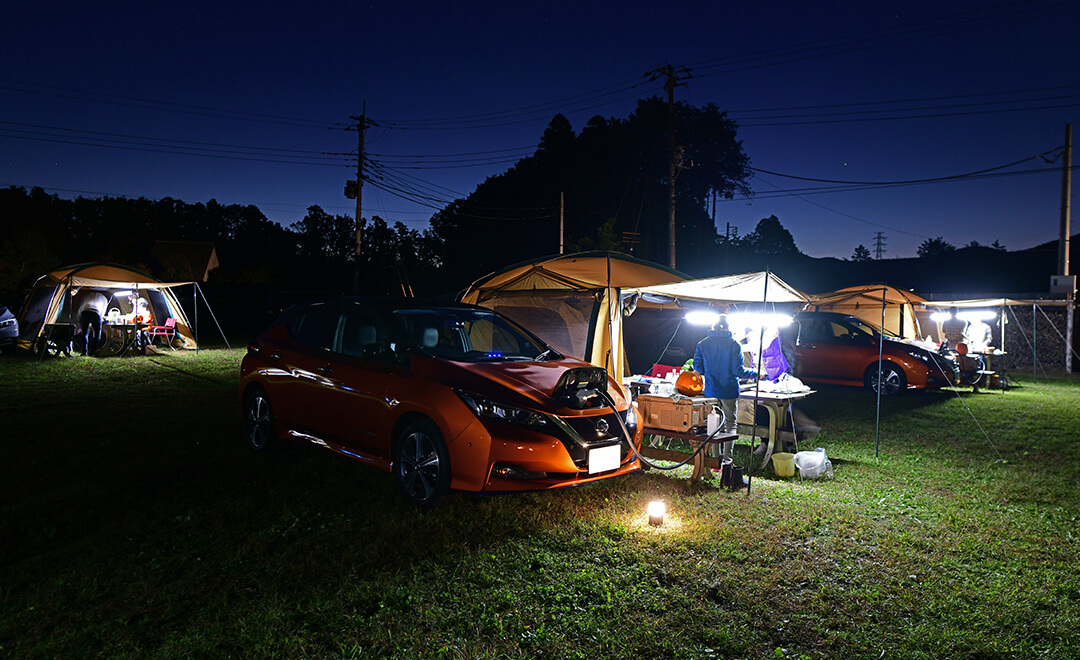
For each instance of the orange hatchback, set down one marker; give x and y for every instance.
(443, 395)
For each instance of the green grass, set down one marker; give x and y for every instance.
(135, 523)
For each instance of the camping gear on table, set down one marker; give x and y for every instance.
(689, 383)
(675, 413)
(813, 464)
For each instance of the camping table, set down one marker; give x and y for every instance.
(701, 461)
(778, 404)
(122, 336)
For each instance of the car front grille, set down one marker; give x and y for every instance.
(590, 432)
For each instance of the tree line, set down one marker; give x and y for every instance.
(606, 186)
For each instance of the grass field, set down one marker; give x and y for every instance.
(135, 523)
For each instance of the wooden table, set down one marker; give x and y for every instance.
(778, 404)
(695, 438)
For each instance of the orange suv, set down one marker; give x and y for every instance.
(443, 395)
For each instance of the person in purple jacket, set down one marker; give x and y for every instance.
(718, 358)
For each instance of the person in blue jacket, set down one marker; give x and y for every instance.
(718, 358)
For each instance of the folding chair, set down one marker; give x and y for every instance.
(168, 330)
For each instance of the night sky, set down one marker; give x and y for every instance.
(247, 103)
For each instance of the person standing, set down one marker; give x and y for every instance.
(953, 328)
(718, 358)
(90, 306)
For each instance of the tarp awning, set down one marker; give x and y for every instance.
(108, 276)
(748, 287)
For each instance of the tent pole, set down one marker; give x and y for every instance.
(195, 296)
(1034, 345)
(757, 387)
(214, 318)
(1001, 322)
(880, 386)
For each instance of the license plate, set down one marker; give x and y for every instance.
(602, 459)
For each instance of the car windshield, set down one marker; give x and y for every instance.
(872, 330)
(470, 335)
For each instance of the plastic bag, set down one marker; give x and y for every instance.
(813, 464)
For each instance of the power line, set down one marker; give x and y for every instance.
(910, 181)
(152, 104)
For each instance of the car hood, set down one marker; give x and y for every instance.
(521, 383)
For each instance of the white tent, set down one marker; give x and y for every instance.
(763, 287)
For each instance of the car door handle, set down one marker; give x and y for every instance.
(276, 356)
(324, 369)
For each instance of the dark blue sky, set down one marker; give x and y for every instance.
(246, 102)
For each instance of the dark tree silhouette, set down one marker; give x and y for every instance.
(770, 237)
(613, 177)
(861, 253)
(932, 247)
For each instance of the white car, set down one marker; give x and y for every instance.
(9, 328)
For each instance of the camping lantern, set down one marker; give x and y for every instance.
(656, 513)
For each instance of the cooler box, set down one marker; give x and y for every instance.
(680, 413)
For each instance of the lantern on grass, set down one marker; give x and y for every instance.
(656, 512)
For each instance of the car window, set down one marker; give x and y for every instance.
(840, 331)
(316, 327)
(363, 334)
(468, 335)
(811, 331)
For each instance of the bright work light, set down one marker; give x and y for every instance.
(702, 318)
(976, 315)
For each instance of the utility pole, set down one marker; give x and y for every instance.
(1066, 202)
(562, 219)
(1063, 247)
(355, 190)
(671, 77)
(879, 244)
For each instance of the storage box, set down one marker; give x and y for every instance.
(675, 413)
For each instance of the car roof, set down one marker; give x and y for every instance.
(393, 303)
(825, 315)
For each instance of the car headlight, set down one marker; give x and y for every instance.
(486, 408)
(631, 420)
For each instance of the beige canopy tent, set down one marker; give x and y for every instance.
(50, 297)
(865, 301)
(571, 301)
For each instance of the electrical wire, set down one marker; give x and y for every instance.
(151, 104)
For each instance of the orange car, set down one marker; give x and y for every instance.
(843, 350)
(444, 395)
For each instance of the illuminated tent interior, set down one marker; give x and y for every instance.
(655, 327)
(50, 299)
(571, 301)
